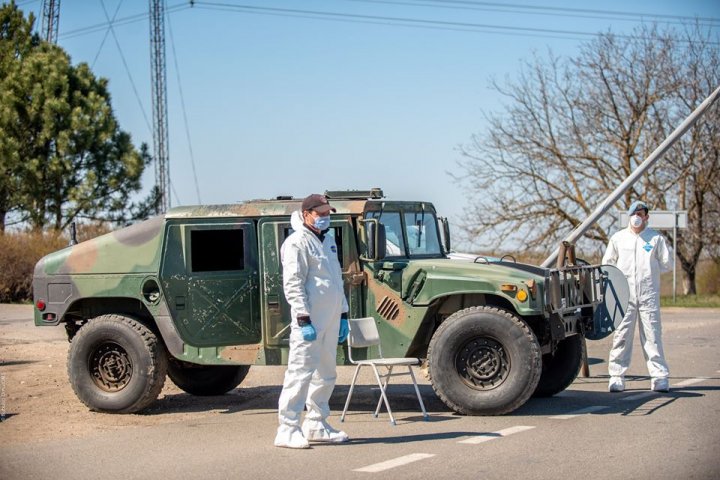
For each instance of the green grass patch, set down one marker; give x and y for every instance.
(692, 301)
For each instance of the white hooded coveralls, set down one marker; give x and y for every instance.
(642, 257)
(313, 285)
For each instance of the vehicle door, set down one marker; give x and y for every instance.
(274, 307)
(209, 273)
(384, 292)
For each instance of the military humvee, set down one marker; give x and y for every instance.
(196, 294)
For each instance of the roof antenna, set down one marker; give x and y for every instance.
(73, 234)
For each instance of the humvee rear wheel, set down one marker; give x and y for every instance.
(561, 369)
(484, 361)
(205, 380)
(116, 364)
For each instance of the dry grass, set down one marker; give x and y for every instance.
(20, 251)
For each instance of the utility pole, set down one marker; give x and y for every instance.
(159, 102)
(50, 20)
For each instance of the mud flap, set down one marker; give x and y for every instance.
(615, 294)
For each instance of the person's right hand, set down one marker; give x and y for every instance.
(308, 332)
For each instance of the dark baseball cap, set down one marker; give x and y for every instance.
(317, 202)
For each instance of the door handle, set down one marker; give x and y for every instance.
(357, 278)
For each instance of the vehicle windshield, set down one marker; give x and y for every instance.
(409, 233)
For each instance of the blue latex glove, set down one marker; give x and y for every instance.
(344, 330)
(308, 332)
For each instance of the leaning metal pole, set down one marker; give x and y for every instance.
(159, 102)
(641, 169)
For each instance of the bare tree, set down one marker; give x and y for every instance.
(695, 160)
(573, 129)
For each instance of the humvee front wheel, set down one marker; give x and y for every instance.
(116, 364)
(484, 361)
(206, 380)
(561, 369)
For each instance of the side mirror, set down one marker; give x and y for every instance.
(374, 240)
(445, 233)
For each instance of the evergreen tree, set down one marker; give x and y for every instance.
(61, 148)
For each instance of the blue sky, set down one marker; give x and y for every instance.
(288, 105)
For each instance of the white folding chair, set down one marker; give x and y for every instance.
(363, 334)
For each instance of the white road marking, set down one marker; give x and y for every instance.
(689, 381)
(395, 462)
(485, 437)
(582, 411)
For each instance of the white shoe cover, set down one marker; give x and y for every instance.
(290, 437)
(321, 431)
(616, 384)
(659, 385)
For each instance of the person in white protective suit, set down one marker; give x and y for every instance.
(313, 286)
(642, 254)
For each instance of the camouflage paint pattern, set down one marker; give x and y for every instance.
(112, 265)
(241, 317)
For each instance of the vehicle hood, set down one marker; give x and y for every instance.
(441, 277)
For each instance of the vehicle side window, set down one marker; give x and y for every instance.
(422, 233)
(217, 250)
(336, 233)
(395, 241)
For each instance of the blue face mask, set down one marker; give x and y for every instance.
(322, 223)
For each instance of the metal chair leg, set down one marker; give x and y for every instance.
(352, 387)
(417, 391)
(387, 380)
(382, 393)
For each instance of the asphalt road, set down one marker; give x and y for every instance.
(584, 432)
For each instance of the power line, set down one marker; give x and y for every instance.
(127, 69)
(547, 11)
(315, 14)
(184, 111)
(138, 17)
(430, 24)
(404, 21)
(584, 10)
(174, 192)
(107, 32)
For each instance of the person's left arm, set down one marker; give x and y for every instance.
(664, 254)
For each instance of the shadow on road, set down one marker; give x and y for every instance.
(7, 363)
(425, 437)
(631, 402)
(636, 400)
(401, 397)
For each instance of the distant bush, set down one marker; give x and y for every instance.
(20, 251)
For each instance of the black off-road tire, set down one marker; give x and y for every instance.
(561, 369)
(206, 380)
(116, 364)
(484, 361)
